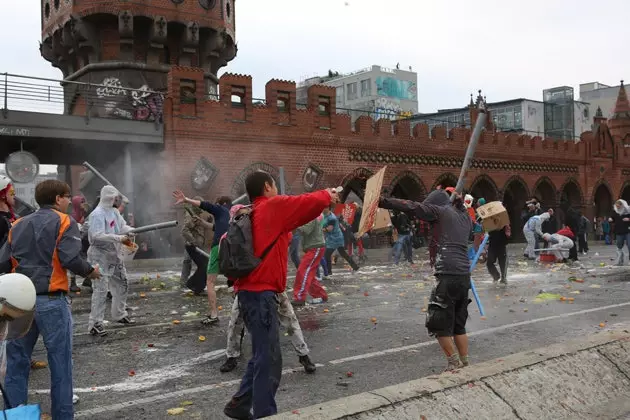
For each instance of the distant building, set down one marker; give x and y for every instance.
(560, 117)
(600, 95)
(374, 91)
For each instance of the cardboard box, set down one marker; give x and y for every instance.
(493, 216)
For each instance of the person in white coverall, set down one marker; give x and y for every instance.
(107, 232)
(560, 244)
(532, 228)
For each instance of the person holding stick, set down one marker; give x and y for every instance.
(221, 213)
(448, 305)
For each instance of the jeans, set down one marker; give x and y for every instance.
(264, 370)
(342, 251)
(53, 320)
(294, 249)
(403, 244)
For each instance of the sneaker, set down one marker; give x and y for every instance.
(229, 365)
(208, 320)
(127, 321)
(98, 330)
(309, 367)
(75, 398)
(235, 409)
(503, 281)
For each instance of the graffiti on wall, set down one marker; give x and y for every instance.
(394, 88)
(389, 109)
(141, 104)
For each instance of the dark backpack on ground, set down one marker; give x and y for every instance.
(236, 250)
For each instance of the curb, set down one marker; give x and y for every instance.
(493, 387)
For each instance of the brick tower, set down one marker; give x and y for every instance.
(620, 121)
(132, 45)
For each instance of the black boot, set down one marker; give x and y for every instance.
(238, 409)
(309, 367)
(229, 365)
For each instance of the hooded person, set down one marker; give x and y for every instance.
(532, 228)
(437, 197)
(7, 202)
(621, 228)
(559, 243)
(107, 233)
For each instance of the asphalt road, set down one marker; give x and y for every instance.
(140, 372)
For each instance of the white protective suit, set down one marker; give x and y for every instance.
(559, 243)
(623, 210)
(532, 228)
(107, 229)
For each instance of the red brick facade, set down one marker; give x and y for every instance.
(238, 137)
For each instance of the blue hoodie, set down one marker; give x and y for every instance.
(334, 238)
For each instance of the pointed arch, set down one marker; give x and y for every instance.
(545, 192)
(515, 194)
(355, 182)
(571, 191)
(408, 185)
(602, 198)
(624, 192)
(238, 187)
(447, 179)
(484, 186)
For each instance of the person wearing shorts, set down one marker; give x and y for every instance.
(448, 305)
(221, 213)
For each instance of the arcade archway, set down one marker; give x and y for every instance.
(515, 195)
(625, 192)
(545, 193)
(408, 186)
(603, 200)
(445, 180)
(354, 183)
(484, 187)
(238, 187)
(571, 194)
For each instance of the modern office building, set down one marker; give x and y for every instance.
(376, 91)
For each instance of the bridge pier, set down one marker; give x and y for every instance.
(128, 178)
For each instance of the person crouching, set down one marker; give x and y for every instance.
(559, 244)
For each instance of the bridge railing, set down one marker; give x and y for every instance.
(109, 100)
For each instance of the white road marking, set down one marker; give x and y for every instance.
(168, 396)
(475, 333)
(208, 356)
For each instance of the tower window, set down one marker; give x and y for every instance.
(47, 10)
(56, 3)
(228, 9)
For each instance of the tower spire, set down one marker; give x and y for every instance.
(622, 106)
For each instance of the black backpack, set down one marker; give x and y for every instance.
(236, 250)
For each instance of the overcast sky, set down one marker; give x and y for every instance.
(508, 48)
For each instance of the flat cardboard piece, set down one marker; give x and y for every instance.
(373, 188)
(493, 216)
(382, 221)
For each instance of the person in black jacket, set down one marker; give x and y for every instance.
(572, 220)
(497, 250)
(621, 223)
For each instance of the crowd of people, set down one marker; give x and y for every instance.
(60, 240)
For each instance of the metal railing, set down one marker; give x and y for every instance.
(108, 100)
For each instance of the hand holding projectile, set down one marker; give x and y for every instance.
(95, 274)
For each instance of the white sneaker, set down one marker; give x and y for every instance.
(75, 398)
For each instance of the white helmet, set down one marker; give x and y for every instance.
(17, 304)
(4, 182)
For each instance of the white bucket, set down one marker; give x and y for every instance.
(129, 252)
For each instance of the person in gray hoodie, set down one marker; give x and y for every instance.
(448, 305)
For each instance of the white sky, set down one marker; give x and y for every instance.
(508, 48)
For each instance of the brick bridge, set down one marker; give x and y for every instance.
(213, 143)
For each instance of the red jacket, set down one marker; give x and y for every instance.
(275, 218)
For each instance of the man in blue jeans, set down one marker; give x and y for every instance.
(42, 246)
(272, 219)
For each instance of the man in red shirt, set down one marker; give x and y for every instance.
(273, 218)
